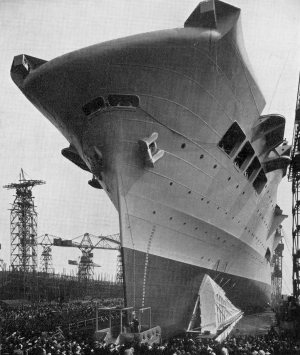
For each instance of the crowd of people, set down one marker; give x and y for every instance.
(46, 317)
(37, 330)
(57, 343)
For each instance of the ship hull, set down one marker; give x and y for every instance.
(172, 289)
(194, 211)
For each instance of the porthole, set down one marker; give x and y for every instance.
(237, 186)
(229, 178)
(154, 212)
(215, 166)
(183, 145)
(171, 183)
(201, 156)
(118, 100)
(190, 192)
(202, 198)
(94, 105)
(170, 218)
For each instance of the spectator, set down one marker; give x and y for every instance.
(32, 330)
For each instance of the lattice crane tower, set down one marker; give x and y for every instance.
(276, 276)
(294, 177)
(46, 256)
(86, 265)
(23, 225)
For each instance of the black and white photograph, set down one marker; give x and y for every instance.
(150, 177)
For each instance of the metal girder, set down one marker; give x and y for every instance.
(87, 242)
(294, 177)
(276, 277)
(46, 256)
(23, 225)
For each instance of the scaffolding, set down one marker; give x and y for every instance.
(119, 277)
(86, 264)
(294, 177)
(40, 286)
(2, 265)
(23, 226)
(276, 276)
(46, 255)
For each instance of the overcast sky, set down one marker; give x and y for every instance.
(67, 205)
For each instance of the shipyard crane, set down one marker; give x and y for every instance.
(276, 277)
(23, 225)
(86, 245)
(294, 177)
(46, 255)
